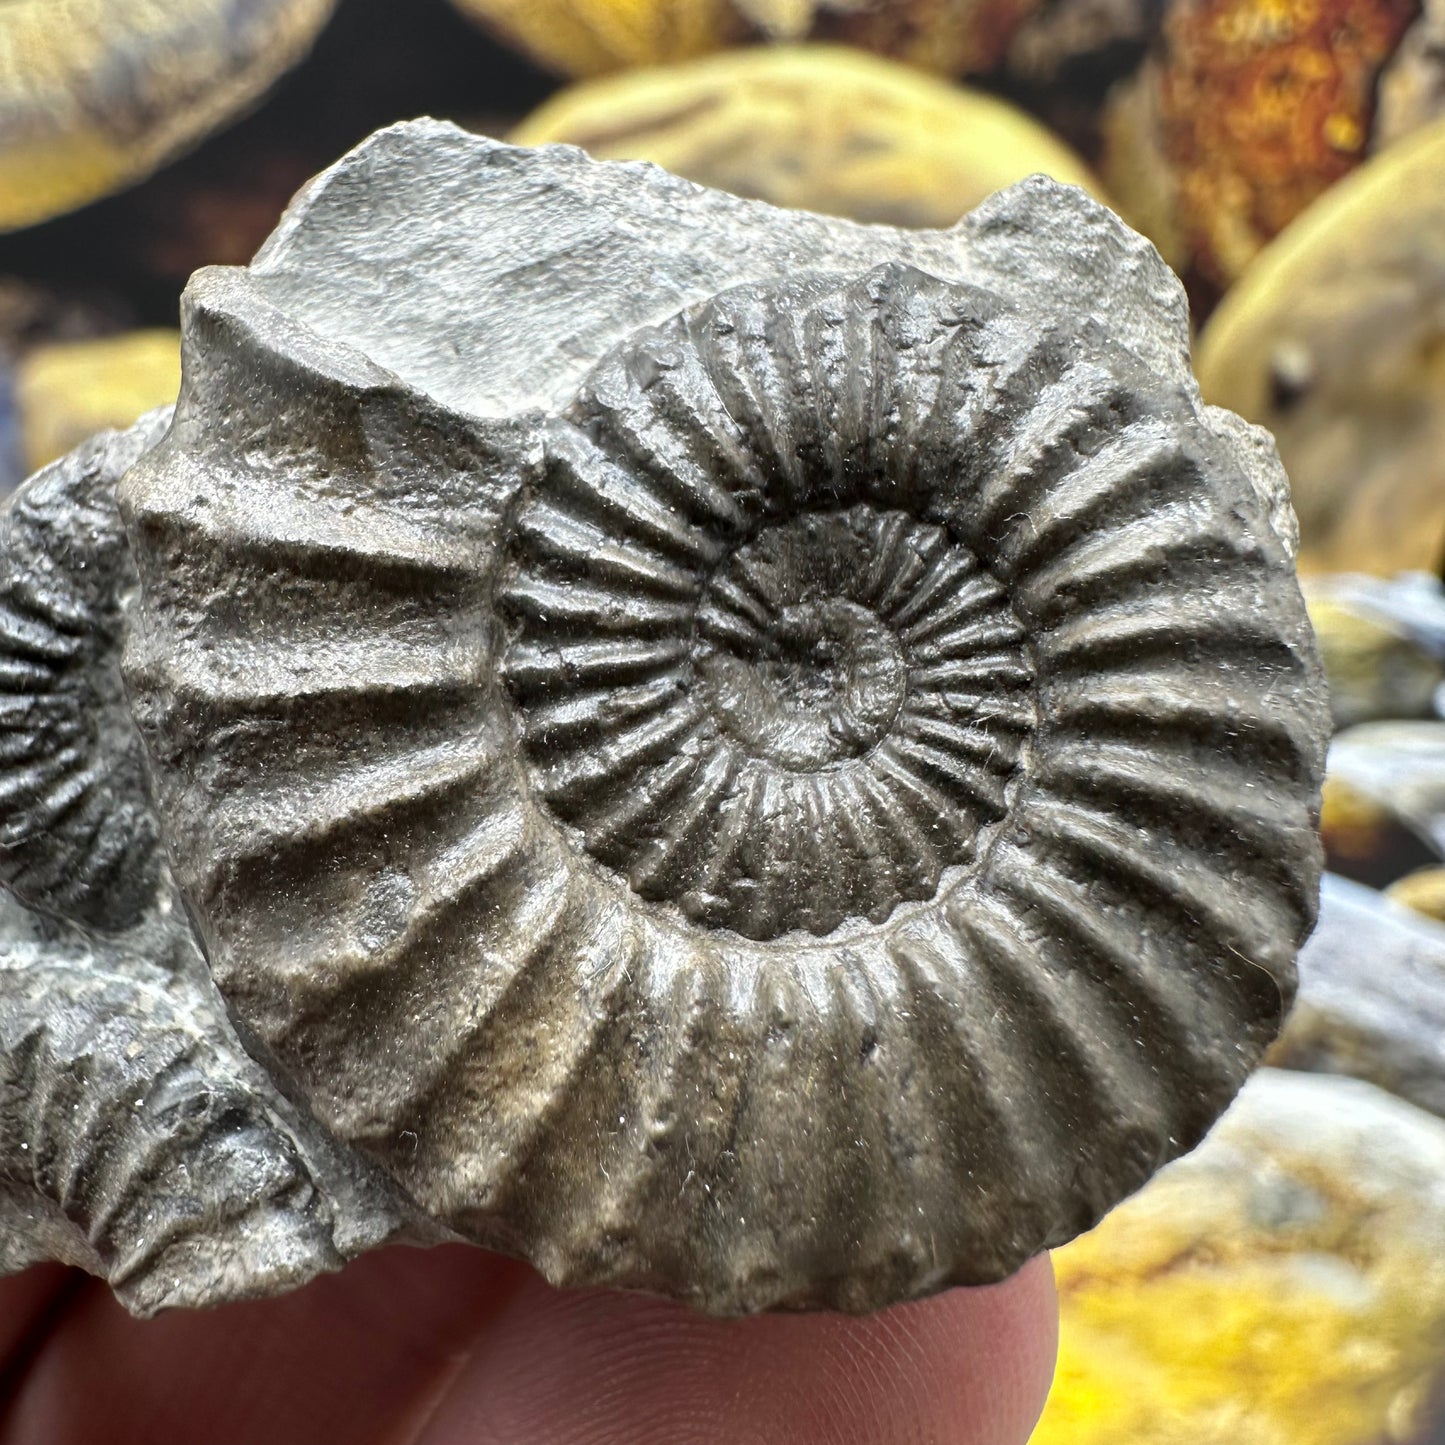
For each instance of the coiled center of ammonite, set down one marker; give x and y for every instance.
(803, 727)
(795, 673)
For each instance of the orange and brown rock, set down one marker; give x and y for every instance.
(593, 37)
(1246, 112)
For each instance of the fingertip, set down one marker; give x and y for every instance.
(969, 1367)
(30, 1304)
(351, 1357)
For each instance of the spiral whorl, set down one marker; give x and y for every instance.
(755, 678)
(817, 814)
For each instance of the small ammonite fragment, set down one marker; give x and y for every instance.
(758, 758)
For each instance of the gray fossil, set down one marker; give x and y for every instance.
(722, 751)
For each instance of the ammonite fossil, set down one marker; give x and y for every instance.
(722, 751)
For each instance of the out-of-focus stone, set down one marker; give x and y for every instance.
(817, 128)
(1423, 891)
(1061, 40)
(1376, 667)
(95, 94)
(12, 466)
(1365, 840)
(1068, 57)
(1411, 91)
(593, 37)
(68, 391)
(1242, 116)
(1413, 602)
(33, 312)
(1282, 1285)
(1335, 341)
(952, 37)
(1371, 999)
(1399, 766)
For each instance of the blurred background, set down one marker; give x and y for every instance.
(1285, 1284)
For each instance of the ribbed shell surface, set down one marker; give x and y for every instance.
(821, 818)
(77, 838)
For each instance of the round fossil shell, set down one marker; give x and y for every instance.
(77, 838)
(814, 807)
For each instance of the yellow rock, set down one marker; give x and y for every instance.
(1423, 890)
(1283, 1285)
(593, 37)
(1376, 669)
(67, 391)
(1335, 340)
(1362, 836)
(95, 94)
(820, 128)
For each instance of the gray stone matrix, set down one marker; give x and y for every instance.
(722, 751)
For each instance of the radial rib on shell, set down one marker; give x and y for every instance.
(807, 802)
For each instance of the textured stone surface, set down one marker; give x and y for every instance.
(137, 1137)
(720, 750)
(1283, 1285)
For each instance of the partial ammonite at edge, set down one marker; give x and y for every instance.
(823, 824)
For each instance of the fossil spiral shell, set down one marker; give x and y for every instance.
(77, 837)
(818, 816)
